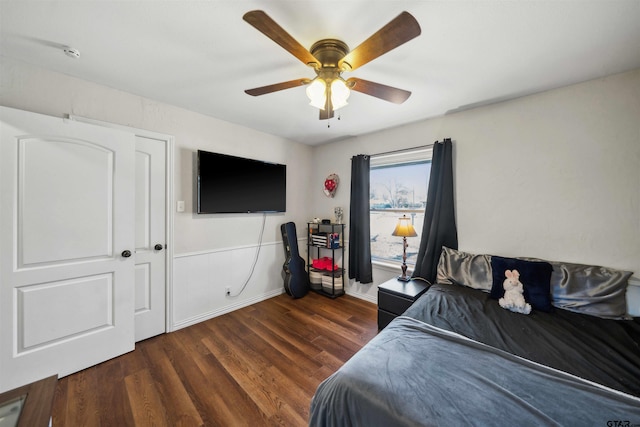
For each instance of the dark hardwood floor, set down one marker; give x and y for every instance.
(256, 366)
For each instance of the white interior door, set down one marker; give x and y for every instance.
(66, 220)
(150, 237)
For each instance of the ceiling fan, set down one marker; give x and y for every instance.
(331, 57)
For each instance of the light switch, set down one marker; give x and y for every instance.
(180, 206)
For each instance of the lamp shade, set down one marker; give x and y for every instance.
(404, 228)
(339, 93)
(316, 92)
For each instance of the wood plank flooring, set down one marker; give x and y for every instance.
(256, 366)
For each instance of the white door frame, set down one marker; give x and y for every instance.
(169, 141)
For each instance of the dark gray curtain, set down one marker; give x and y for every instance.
(439, 228)
(359, 233)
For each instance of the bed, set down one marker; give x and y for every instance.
(456, 357)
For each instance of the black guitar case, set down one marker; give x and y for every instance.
(296, 280)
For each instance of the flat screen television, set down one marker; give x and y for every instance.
(230, 184)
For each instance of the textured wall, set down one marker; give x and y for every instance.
(200, 241)
(554, 175)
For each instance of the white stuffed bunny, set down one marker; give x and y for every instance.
(513, 294)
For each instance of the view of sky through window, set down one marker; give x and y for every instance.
(397, 190)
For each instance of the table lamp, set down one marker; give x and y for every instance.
(405, 229)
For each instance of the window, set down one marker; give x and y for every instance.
(398, 186)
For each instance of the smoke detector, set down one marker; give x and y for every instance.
(71, 52)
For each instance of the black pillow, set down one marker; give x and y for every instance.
(535, 277)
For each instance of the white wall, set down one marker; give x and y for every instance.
(554, 175)
(219, 247)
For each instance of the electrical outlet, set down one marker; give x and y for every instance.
(227, 291)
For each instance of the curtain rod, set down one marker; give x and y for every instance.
(402, 150)
(409, 149)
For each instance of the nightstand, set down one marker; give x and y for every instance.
(394, 297)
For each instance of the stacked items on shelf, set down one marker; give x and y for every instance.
(324, 263)
(315, 278)
(326, 240)
(332, 282)
(333, 241)
(319, 239)
(326, 273)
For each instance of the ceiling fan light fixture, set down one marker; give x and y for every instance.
(331, 57)
(317, 93)
(339, 93)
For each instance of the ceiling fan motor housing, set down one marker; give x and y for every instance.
(329, 52)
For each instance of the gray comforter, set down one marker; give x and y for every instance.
(604, 351)
(415, 374)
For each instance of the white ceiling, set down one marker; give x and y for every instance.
(201, 55)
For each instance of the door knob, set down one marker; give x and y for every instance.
(126, 253)
(158, 247)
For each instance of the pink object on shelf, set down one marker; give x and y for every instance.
(325, 263)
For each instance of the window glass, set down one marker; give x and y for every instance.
(398, 186)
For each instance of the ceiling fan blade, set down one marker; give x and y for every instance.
(267, 26)
(388, 93)
(400, 30)
(327, 113)
(276, 87)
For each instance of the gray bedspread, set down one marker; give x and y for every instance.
(416, 374)
(604, 351)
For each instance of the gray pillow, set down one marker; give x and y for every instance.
(461, 268)
(589, 289)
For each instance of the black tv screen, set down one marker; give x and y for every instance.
(230, 184)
